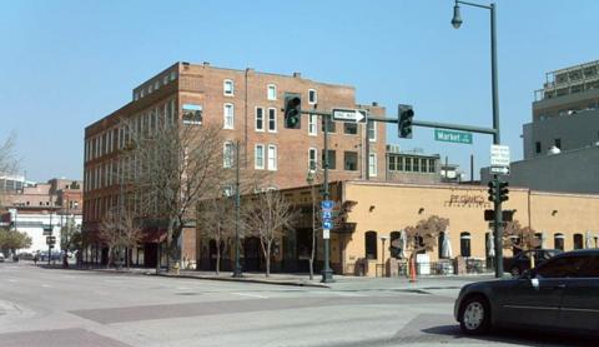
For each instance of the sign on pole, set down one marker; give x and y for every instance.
(327, 217)
(500, 159)
(349, 115)
(453, 136)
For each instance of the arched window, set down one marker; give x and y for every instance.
(370, 243)
(465, 244)
(539, 240)
(395, 244)
(558, 241)
(440, 244)
(578, 239)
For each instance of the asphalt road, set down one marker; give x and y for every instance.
(42, 307)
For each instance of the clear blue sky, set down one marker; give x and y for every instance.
(65, 64)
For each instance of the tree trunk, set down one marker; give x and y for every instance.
(311, 262)
(218, 258)
(109, 260)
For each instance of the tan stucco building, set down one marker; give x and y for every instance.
(562, 220)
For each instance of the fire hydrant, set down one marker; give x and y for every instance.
(177, 268)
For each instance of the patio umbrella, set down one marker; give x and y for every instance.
(589, 240)
(491, 246)
(446, 251)
(403, 240)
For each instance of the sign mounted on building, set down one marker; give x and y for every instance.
(349, 115)
(453, 136)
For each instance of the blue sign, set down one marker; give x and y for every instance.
(327, 224)
(327, 215)
(327, 204)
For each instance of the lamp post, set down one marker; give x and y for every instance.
(456, 21)
(237, 270)
(310, 180)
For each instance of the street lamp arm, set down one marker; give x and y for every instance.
(473, 4)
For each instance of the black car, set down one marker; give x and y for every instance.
(521, 261)
(561, 293)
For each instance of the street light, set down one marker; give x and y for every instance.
(456, 22)
(383, 239)
(310, 180)
(237, 271)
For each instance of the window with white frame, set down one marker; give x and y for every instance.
(272, 157)
(259, 119)
(229, 116)
(312, 161)
(372, 167)
(259, 157)
(272, 120)
(312, 125)
(228, 87)
(312, 96)
(371, 128)
(271, 92)
(228, 155)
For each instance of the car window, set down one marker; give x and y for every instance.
(590, 268)
(563, 267)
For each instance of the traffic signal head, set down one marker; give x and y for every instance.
(293, 111)
(492, 190)
(503, 191)
(406, 115)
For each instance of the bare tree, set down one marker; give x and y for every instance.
(216, 221)
(516, 236)
(424, 236)
(109, 233)
(267, 216)
(131, 232)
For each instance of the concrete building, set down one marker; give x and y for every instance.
(248, 104)
(43, 207)
(364, 242)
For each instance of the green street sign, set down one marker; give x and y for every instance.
(453, 136)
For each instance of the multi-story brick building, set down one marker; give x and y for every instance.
(249, 106)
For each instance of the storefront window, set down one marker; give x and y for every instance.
(465, 244)
(370, 243)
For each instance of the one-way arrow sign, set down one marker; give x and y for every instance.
(349, 115)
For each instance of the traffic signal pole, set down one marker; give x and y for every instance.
(498, 228)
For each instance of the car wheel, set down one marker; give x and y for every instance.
(475, 315)
(515, 272)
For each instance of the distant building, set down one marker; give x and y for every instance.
(43, 206)
(561, 144)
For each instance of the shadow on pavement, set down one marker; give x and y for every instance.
(516, 337)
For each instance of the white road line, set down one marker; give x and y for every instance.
(46, 285)
(251, 295)
(346, 294)
(12, 280)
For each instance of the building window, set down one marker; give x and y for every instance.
(272, 157)
(312, 127)
(312, 97)
(272, 120)
(329, 123)
(371, 126)
(312, 161)
(259, 119)
(350, 161)
(465, 244)
(558, 241)
(228, 88)
(431, 165)
(558, 143)
(408, 164)
(392, 166)
(350, 128)
(400, 163)
(259, 157)
(332, 159)
(370, 245)
(229, 116)
(271, 92)
(424, 165)
(395, 244)
(578, 241)
(416, 162)
(372, 165)
(538, 147)
(228, 155)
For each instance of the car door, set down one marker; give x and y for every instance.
(536, 300)
(580, 306)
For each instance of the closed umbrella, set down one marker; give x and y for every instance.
(491, 246)
(446, 251)
(589, 240)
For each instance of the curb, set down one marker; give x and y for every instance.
(246, 280)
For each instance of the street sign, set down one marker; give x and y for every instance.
(51, 240)
(349, 115)
(327, 224)
(500, 156)
(453, 136)
(47, 231)
(327, 204)
(326, 234)
(327, 214)
(500, 170)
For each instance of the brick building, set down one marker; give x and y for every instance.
(249, 105)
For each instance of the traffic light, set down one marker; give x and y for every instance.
(406, 114)
(503, 191)
(293, 111)
(492, 190)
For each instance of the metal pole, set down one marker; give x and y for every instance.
(367, 148)
(237, 270)
(327, 273)
(50, 243)
(498, 227)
